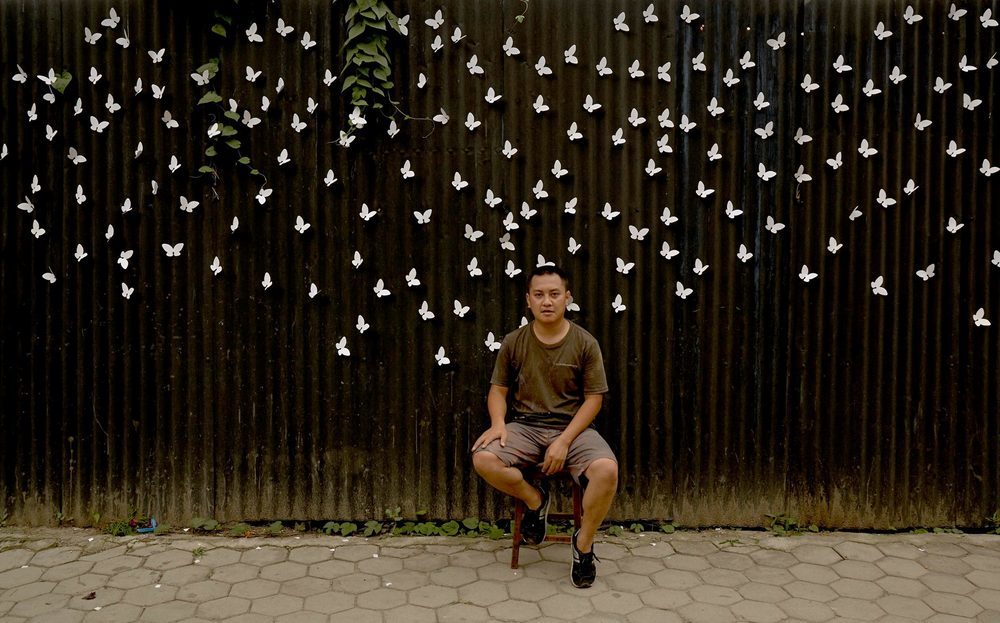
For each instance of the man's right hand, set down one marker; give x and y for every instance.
(494, 432)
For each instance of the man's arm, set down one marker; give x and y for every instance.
(496, 404)
(555, 456)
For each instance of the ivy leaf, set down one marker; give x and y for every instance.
(244, 160)
(220, 30)
(210, 152)
(61, 81)
(235, 144)
(210, 98)
(231, 115)
(228, 130)
(223, 17)
(212, 67)
(206, 169)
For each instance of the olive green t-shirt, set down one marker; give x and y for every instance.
(549, 381)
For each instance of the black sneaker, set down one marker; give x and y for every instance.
(583, 572)
(535, 522)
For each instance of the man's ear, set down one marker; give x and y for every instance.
(569, 296)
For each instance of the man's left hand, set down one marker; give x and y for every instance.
(555, 457)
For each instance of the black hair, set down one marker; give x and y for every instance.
(548, 269)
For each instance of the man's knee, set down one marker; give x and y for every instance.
(604, 473)
(486, 462)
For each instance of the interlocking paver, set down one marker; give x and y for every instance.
(730, 560)
(169, 612)
(223, 607)
(102, 598)
(60, 616)
(81, 584)
(949, 603)
(283, 571)
(168, 560)
(20, 576)
(778, 576)
(434, 596)
(41, 604)
(237, 572)
(858, 589)
(642, 566)
(859, 609)
(55, 556)
(723, 577)
(857, 570)
(514, 610)
(665, 598)
(405, 580)
(673, 578)
(117, 613)
(308, 555)
(304, 587)
(410, 614)
(852, 550)
(472, 559)
(694, 548)
(982, 579)
(356, 583)
(27, 591)
(182, 576)
(355, 553)
(697, 612)
(810, 591)
(264, 556)
(653, 615)
(816, 554)
(206, 590)
(941, 547)
(14, 558)
(945, 564)
(219, 557)
(567, 607)
(303, 616)
(276, 605)
(134, 578)
(718, 595)
(947, 583)
(809, 572)
(357, 615)
(902, 586)
(758, 612)
(629, 582)
(616, 602)
(329, 602)
(773, 558)
(548, 570)
(118, 564)
(500, 572)
(331, 569)
(653, 550)
(432, 562)
(763, 592)
(984, 562)
(461, 613)
(380, 566)
(686, 562)
(150, 595)
(381, 599)
(909, 607)
(988, 599)
(806, 610)
(254, 589)
(483, 592)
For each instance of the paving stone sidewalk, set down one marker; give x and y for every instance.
(73, 575)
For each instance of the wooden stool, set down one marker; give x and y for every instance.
(520, 508)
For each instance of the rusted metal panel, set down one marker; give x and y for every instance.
(758, 393)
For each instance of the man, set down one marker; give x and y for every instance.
(557, 374)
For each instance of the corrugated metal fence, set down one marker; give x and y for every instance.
(763, 391)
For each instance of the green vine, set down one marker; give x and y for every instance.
(367, 71)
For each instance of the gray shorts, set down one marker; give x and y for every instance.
(527, 443)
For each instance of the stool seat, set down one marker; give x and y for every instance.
(520, 508)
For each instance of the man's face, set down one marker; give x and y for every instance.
(547, 298)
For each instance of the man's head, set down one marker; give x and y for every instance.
(548, 294)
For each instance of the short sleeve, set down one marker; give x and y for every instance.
(595, 380)
(501, 369)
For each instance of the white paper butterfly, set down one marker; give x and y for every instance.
(833, 246)
(459, 309)
(979, 318)
(617, 304)
(440, 357)
(380, 289)
(172, 250)
(473, 267)
(683, 292)
(927, 273)
(743, 254)
(805, 275)
(361, 325)
(342, 349)
(877, 288)
(667, 252)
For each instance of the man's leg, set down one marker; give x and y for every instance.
(509, 480)
(602, 477)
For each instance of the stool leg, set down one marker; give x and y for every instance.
(516, 549)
